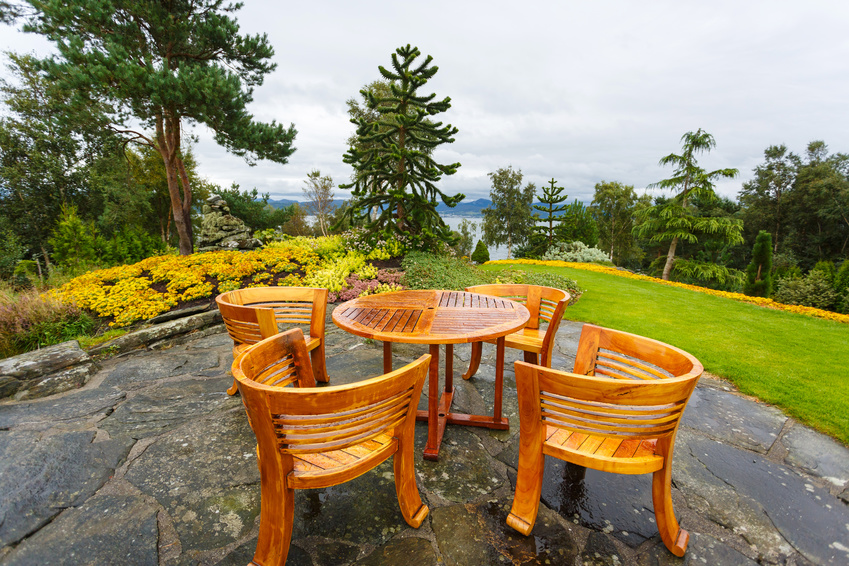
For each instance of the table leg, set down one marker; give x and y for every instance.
(387, 357)
(439, 414)
(436, 412)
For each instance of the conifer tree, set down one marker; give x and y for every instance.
(550, 204)
(759, 272)
(394, 171)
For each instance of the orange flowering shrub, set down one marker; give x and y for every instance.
(760, 301)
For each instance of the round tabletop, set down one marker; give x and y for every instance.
(431, 317)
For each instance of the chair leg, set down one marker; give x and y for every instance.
(523, 514)
(674, 537)
(233, 388)
(475, 362)
(409, 499)
(319, 368)
(531, 358)
(275, 528)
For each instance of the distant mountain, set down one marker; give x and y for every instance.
(471, 208)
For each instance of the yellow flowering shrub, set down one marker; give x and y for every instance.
(130, 293)
(760, 301)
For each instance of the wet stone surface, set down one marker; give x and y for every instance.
(205, 476)
(733, 419)
(161, 408)
(122, 528)
(478, 534)
(152, 463)
(409, 551)
(140, 370)
(41, 475)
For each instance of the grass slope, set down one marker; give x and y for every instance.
(796, 362)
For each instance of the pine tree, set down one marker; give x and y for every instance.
(759, 272)
(551, 198)
(395, 173)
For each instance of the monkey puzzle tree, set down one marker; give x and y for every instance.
(552, 196)
(394, 171)
(144, 69)
(674, 220)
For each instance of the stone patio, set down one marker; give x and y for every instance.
(152, 463)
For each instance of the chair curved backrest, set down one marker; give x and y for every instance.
(545, 304)
(317, 437)
(256, 313)
(618, 412)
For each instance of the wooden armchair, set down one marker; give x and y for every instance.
(254, 314)
(618, 412)
(311, 437)
(544, 303)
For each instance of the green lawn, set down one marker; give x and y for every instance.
(796, 362)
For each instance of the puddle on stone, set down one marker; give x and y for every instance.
(617, 504)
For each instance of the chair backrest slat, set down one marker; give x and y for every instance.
(244, 311)
(624, 386)
(309, 420)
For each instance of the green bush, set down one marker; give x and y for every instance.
(541, 278)
(813, 290)
(481, 253)
(29, 321)
(827, 268)
(429, 271)
(130, 245)
(73, 241)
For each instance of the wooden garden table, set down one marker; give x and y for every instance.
(434, 318)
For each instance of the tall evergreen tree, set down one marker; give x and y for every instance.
(394, 171)
(674, 220)
(144, 68)
(552, 196)
(509, 220)
(759, 272)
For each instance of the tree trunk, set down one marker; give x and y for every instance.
(168, 145)
(509, 245)
(670, 257)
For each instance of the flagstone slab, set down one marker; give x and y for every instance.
(106, 529)
(407, 551)
(702, 550)
(733, 419)
(142, 369)
(47, 413)
(464, 471)
(817, 454)
(157, 409)
(40, 475)
(205, 476)
(478, 534)
(808, 517)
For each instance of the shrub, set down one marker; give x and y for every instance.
(759, 272)
(814, 290)
(541, 278)
(707, 274)
(29, 321)
(428, 271)
(73, 241)
(827, 269)
(841, 279)
(481, 253)
(577, 252)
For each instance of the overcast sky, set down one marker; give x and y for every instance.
(578, 91)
